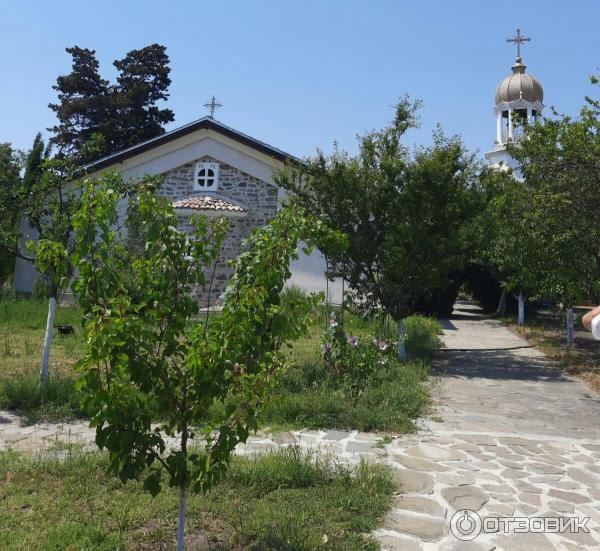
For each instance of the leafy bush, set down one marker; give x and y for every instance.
(352, 362)
(422, 336)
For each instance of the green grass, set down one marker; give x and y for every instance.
(22, 328)
(306, 395)
(288, 500)
(422, 336)
(57, 400)
(305, 398)
(32, 314)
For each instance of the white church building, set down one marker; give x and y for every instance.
(210, 169)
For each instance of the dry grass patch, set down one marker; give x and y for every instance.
(546, 331)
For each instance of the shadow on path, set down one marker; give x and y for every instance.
(504, 363)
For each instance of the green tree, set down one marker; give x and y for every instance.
(34, 163)
(404, 213)
(48, 205)
(123, 113)
(10, 190)
(513, 249)
(83, 108)
(143, 81)
(151, 374)
(559, 159)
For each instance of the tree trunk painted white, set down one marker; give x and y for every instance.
(181, 524)
(521, 316)
(401, 340)
(47, 340)
(501, 310)
(570, 326)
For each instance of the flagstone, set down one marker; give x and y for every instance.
(465, 497)
(530, 498)
(498, 488)
(501, 509)
(524, 542)
(526, 487)
(504, 498)
(455, 479)
(546, 479)
(560, 506)
(570, 497)
(434, 453)
(419, 464)
(427, 529)
(413, 481)
(478, 439)
(543, 468)
(396, 543)
(420, 505)
(513, 473)
(567, 485)
(583, 476)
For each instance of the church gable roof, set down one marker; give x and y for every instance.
(205, 123)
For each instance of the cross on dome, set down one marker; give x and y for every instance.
(518, 39)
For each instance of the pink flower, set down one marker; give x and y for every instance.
(333, 322)
(353, 341)
(326, 347)
(382, 345)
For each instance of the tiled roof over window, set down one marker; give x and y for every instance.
(207, 203)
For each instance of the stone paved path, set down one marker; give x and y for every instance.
(509, 436)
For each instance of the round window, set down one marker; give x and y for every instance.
(206, 177)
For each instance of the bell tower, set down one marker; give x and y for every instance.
(518, 95)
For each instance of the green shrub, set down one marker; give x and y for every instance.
(422, 336)
(352, 362)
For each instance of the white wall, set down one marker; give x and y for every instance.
(25, 274)
(308, 272)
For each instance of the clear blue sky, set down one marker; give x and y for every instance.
(299, 74)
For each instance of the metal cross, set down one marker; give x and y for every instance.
(518, 40)
(214, 104)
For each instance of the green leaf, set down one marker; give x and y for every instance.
(152, 484)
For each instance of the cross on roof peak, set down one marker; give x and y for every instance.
(213, 105)
(518, 39)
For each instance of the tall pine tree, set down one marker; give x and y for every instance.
(143, 81)
(124, 113)
(84, 105)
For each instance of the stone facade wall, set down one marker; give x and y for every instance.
(257, 196)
